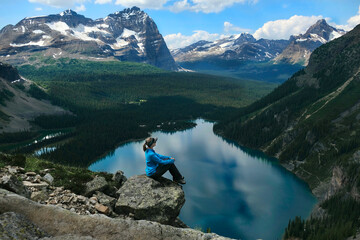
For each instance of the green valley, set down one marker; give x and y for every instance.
(114, 102)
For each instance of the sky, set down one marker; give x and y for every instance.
(183, 22)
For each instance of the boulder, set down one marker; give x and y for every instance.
(105, 199)
(58, 222)
(36, 184)
(102, 209)
(11, 183)
(150, 199)
(30, 173)
(48, 178)
(97, 184)
(119, 178)
(16, 226)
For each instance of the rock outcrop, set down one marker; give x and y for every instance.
(11, 183)
(146, 198)
(97, 184)
(63, 224)
(16, 226)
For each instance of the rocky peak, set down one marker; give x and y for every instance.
(244, 37)
(321, 28)
(68, 12)
(129, 15)
(302, 45)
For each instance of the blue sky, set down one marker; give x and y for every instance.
(182, 22)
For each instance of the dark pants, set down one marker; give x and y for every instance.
(162, 168)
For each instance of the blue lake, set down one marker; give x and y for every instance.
(234, 191)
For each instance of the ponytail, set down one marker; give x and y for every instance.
(149, 142)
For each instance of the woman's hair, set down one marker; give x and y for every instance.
(149, 142)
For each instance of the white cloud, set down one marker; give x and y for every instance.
(284, 28)
(38, 9)
(59, 3)
(177, 40)
(102, 1)
(206, 6)
(80, 8)
(142, 3)
(229, 27)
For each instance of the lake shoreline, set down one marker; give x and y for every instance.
(244, 163)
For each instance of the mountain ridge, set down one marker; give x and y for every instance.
(245, 47)
(128, 35)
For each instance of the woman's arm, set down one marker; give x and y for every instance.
(163, 157)
(158, 159)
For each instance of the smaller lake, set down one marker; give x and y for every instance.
(234, 191)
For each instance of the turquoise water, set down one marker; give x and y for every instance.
(234, 191)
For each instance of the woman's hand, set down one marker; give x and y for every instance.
(172, 158)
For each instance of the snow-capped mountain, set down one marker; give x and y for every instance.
(301, 46)
(129, 35)
(243, 46)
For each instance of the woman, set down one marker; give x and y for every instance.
(157, 165)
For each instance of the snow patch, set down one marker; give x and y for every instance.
(81, 31)
(127, 33)
(38, 31)
(334, 35)
(59, 26)
(36, 17)
(225, 45)
(141, 47)
(39, 43)
(18, 80)
(120, 43)
(102, 25)
(315, 37)
(268, 55)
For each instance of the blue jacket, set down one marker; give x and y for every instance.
(153, 160)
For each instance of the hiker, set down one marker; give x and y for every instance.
(157, 165)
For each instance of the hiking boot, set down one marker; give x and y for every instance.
(180, 181)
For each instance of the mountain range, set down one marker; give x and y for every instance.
(245, 47)
(128, 35)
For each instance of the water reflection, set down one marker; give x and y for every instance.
(234, 191)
